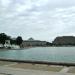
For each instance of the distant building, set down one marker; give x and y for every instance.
(1, 46)
(13, 46)
(64, 40)
(7, 44)
(32, 42)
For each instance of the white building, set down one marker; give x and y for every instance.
(32, 42)
(15, 46)
(7, 44)
(1, 46)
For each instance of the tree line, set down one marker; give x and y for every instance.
(4, 37)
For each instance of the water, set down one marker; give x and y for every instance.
(52, 54)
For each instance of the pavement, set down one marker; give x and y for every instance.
(5, 70)
(65, 70)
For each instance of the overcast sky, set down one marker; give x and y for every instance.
(40, 19)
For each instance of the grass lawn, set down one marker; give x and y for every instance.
(5, 63)
(71, 70)
(37, 67)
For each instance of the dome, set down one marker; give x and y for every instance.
(30, 39)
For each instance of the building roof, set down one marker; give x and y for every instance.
(31, 39)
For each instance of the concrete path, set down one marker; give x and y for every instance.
(64, 70)
(17, 71)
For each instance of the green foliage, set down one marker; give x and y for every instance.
(3, 37)
(12, 41)
(49, 44)
(19, 40)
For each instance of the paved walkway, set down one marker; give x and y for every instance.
(65, 70)
(16, 71)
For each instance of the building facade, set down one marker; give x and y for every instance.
(64, 40)
(32, 42)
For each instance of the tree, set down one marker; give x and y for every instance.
(12, 41)
(49, 44)
(19, 40)
(3, 38)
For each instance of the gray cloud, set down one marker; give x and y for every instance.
(40, 19)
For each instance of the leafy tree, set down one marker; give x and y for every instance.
(12, 41)
(19, 40)
(49, 44)
(3, 37)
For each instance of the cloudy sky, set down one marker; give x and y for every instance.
(40, 19)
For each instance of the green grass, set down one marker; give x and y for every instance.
(38, 67)
(71, 70)
(5, 63)
(55, 69)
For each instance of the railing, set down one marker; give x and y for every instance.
(39, 62)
